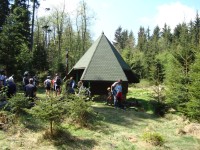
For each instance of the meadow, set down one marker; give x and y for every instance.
(115, 129)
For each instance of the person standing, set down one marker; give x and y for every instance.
(25, 80)
(116, 89)
(2, 79)
(11, 87)
(80, 87)
(109, 97)
(119, 94)
(30, 90)
(57, 84)
(47, 85)
(71, 85)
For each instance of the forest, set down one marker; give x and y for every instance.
(168, 59)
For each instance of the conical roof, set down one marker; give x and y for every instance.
(102, 62)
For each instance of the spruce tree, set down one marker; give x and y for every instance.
(51, 110)
(142, 40)
(177, 72)
(118, 38)
(12, 46)
(193, 106)
(20, 9)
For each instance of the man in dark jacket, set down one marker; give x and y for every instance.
(11, 88)
(30, 89)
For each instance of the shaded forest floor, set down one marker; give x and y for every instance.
(117, 129)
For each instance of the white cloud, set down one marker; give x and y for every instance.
(171, 13)
(174, 13)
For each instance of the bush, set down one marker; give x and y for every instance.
(153, 138)
(81, 112)
(159, 108)
(17, 103)
(51, 110)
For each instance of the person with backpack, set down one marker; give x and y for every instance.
(11, 91)
(47, 85)
(57, 84)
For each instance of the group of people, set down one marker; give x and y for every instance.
(80, 86)
(29, 84)
(53, 84)
(115, 94)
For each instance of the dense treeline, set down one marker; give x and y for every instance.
(167, 58)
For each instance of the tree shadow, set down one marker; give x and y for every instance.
(135, 113)
(32, 123)
(63, 139)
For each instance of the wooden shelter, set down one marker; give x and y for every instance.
(102, 65)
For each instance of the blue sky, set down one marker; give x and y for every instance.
(131, 14)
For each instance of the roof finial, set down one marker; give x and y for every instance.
(102, 32)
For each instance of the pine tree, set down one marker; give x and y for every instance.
(20, 9)
(118, 38)
(51, 110)
(12, 46)
(152, 50)
(197, 30)
(167, 37)
(177, 73)
(193, 106)
(142, 40)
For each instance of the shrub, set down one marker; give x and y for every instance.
(3, 93)
(17, 103)
(81, 112)
(51, 110)
(153, 138)
(159, 108)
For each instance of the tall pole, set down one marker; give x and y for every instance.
(67, 61)
(32, 28)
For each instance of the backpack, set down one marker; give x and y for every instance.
(48, 83)
(25, 80)
(58, 81)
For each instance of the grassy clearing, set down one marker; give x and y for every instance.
(117, 129)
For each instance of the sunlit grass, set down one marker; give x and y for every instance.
(116, 129)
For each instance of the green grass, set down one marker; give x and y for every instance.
(116, 129)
